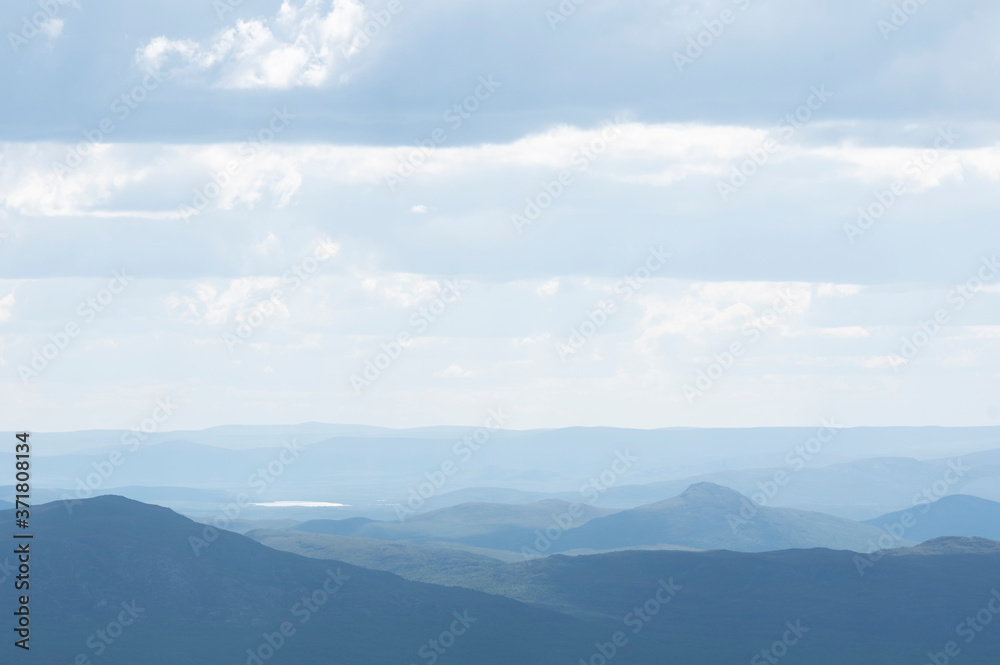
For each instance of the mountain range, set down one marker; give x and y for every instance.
(194, 595)
(704, 516)
(956, 515)
(202, 596)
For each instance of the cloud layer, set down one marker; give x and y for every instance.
(711, 212)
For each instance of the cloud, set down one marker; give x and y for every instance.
(143, 181)
(52, 27)
(649, 155)
(206, 304)
(838, 290)
(270, 244)
(709, 309)
(548, 289)
(844, 332)
(455, 371)
(6, 307)
(399, 290)
(982, 332)
(302, 46)
(32, 186)
(335, 321)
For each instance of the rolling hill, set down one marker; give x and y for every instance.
(956, 515)
(414, 561)
(705, 516)
(117, 560)
(708, 516)
(712, 608)
(858, 489)
(489, 525)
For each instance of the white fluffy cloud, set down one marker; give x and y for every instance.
(326, 330)
(710, 310)
(53, 27)
(207, 304)
(6, 306)
(302, 46)
(648, 156)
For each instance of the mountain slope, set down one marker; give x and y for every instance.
(721, 607)
(955, 515)
(210, 607)
(710, 608)
(494, 526)
(859, 489)
(708, 516)
(419, 562)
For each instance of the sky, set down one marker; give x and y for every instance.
(708, 213)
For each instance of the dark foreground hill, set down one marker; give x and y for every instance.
(891, 608)
(113, 559)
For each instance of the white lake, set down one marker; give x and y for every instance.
(301, 504)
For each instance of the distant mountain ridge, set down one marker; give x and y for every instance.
(708, 516)
(704, 516)
(954, 515)
(495, 526)
(852, 490)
